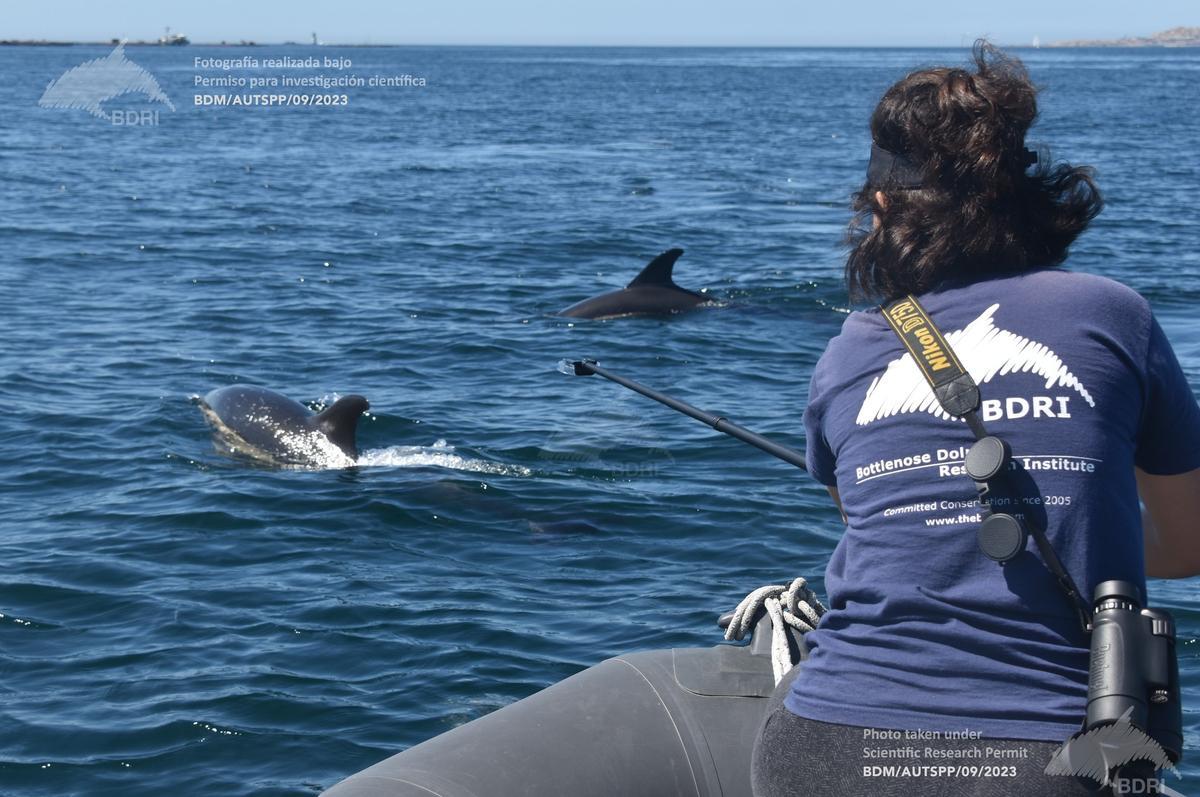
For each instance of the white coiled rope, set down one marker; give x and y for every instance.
(795, 605)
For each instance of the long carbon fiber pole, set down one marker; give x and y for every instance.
(718, 422)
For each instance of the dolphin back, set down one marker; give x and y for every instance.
(339, 422)
(652, 292)
(658, 271)
(269, 425)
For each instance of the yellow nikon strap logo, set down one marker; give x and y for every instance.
(932, 354)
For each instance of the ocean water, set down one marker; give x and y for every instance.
(173, 621)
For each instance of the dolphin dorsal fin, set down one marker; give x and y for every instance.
(339, 422)
(658, 270)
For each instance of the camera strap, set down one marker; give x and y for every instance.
(958, 395)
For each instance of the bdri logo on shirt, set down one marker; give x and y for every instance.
(987, 352)
(93, 83)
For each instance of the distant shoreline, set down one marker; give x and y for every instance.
(115, 42)
(1175, 37)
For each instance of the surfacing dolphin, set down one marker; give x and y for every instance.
(652, 292)
(266, 425)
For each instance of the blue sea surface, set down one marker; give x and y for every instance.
(176, 622)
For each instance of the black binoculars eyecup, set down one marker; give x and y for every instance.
(1117, 590)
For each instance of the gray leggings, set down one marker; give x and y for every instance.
(798, 757)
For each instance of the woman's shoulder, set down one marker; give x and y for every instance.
(1059, 290)
(864, 338)
(1032, 299)
(1042, 288)
(860, 327)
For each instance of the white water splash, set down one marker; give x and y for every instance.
(313, 448)
(440, 455)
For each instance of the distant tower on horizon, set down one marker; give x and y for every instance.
(315, 42)
(1037, 42)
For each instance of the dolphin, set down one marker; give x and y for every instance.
(92, 83)
(267, 425)
(652, 292)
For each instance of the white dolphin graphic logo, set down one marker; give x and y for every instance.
(985, 350)
(92, 83)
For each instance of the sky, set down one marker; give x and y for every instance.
(871, 23)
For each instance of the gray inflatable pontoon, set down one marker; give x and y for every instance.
(658, 723)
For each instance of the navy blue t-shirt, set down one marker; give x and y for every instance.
(925, 632)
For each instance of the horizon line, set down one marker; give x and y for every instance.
(1065, 45)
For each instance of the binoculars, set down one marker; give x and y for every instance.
(1133, 674)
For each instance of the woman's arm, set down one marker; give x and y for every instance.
(1171, 523)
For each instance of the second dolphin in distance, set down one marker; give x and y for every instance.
(266, 425)
(652, 292)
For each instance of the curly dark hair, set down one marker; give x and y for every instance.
(979, 209)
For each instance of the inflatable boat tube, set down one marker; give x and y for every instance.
(656, 723)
